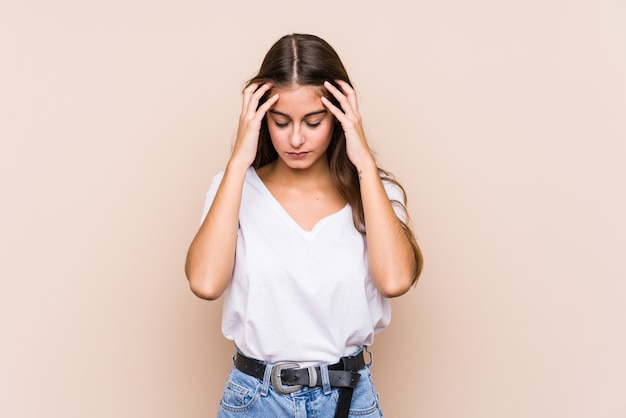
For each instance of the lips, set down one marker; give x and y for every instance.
(297, 154)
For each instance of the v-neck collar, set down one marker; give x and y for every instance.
(279, 207)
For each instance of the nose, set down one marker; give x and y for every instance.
(297, 138)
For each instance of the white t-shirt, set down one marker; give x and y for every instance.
(299, 296)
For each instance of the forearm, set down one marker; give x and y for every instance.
(211, 255)
(392, 259)
(390, 254)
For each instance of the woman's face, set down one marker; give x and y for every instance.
(300, 126)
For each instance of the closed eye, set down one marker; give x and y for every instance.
(281, 125)
(313, 124)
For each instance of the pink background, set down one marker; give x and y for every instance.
(505, 121)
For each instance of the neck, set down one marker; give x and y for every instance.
(313, 176)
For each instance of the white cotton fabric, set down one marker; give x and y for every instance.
(299, 296)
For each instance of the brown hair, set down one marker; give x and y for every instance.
(307, 60)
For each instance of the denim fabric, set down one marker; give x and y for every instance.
(245, 396)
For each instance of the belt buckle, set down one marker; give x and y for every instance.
(277, 380)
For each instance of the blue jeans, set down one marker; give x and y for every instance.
(246, 396)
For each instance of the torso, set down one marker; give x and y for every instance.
(304, 296)
(307, 199)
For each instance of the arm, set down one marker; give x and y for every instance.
(211, 255)
(390, 253)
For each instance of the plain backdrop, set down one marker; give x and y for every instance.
(504, 120)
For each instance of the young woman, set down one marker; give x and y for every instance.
(307, 238)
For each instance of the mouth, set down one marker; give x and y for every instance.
(298, 154)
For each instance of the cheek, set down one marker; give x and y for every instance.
(326, 132)
(276, 135)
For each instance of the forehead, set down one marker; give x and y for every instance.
(298, 100)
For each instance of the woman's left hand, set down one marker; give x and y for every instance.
(356, 145)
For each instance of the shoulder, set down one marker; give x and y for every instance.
(396, 195)
(217, 179)
(251, 176)
(393, 189)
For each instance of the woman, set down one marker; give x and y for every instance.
(307, 238)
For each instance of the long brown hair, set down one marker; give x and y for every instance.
(307, 60)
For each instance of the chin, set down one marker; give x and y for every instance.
(298, 165)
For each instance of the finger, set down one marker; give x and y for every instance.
(250, 93)
(340, 96)
(253, 103)
(333, 89)
(349, 92)
(250, 89)
(247, 93)
(341, 117)
(262, 110)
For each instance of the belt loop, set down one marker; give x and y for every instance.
(325, 379)
(366, 348)
(266, 379)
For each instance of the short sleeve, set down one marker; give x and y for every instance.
(398, 199)
(210, 195)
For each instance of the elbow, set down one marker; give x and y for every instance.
(397, 281)
(395, 288)
(203, 286)
(204, 290)
(402, 279)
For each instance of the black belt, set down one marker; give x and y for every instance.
(288, 377)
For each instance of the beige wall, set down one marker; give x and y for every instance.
(504, 120)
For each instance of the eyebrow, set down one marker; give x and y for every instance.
(317, 112)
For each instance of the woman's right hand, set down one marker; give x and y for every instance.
(211, 256)
(247, 140)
